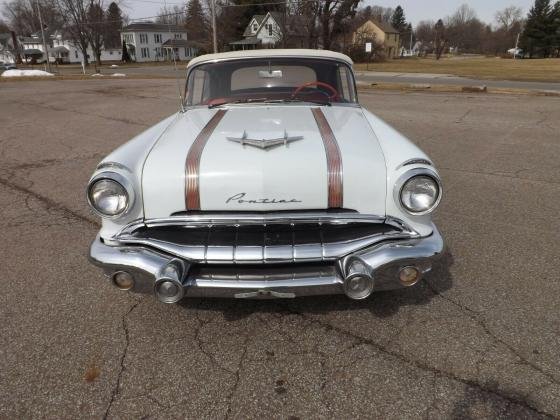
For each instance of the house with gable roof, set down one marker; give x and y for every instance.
(273, 30)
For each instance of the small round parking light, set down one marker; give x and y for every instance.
(169, 291)
(123, 280)
(358, 286)
(409, 276)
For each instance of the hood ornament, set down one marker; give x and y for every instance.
(265, 144)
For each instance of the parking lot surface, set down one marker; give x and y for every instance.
(477, 338)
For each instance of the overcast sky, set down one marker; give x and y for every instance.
(415, 10)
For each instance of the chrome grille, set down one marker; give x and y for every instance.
(286, 240)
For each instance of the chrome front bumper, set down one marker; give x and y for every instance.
(381, 263)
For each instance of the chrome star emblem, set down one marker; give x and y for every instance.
(264, 144)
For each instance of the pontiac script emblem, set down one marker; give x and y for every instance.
(240, 199)
(265, 144)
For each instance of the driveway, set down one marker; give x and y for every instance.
(478, 338)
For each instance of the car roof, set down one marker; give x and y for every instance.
(232, 55)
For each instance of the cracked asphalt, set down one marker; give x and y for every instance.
(478, 338)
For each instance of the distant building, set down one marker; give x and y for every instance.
(273, 30)
(158, 42)
(383, 33)
(61, 49)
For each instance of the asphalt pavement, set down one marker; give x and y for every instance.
(477, 339)
(369, 77)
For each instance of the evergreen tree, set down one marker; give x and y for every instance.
(197, 25)
(538, 36)
(398, 21)
(125, 58)
(556, 28)
(114, 20)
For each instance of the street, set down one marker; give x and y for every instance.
(477, 338)
(369, 77)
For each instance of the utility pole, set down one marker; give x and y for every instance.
(411, 40)
(43, 35)
(516, 46)
(214, 35)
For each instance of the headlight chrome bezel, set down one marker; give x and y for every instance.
(121, 180)
(407, 176)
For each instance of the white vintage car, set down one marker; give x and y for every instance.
(270, 182)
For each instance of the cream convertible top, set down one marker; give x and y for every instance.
(270, 53)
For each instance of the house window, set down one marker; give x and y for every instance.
(157, 38)
(178, 36)
(270, 29)
(145, 52)
(255, 27)
(76, 53)
(128, 38)
(143, 38)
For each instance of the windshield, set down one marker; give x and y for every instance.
(271, 80)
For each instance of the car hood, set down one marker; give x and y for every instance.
(325, 157)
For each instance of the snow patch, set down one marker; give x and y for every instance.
(97, 75)
(114, 65)
(26, 73)
(118, 75)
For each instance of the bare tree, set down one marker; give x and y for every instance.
(440, 40)
(463, 15)
(309, 12)
(175, 15)
(96, 28)
(508, 17)
(331, 13)
(22, 17)
(75, 13)
(382, 14)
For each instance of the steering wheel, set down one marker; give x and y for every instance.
(321, 84)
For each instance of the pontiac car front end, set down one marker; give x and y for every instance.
(271, 182)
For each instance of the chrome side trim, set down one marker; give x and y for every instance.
(415, 161)
(334, 160)
(192, 164)
(111, 165)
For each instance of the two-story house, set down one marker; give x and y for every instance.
(272, 30)
(62, 49)
(147, 41)
(381, 33)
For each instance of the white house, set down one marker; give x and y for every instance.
(273, 29)
(148, 41)
(64, 51)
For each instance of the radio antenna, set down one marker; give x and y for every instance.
(176, 70)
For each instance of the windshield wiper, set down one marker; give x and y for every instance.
(322, 103)
(239, 101)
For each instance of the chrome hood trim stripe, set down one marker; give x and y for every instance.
(334, 160)
(192, 165)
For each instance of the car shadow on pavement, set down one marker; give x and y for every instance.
(380, 304)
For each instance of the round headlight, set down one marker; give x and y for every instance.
(420, 194)
(108, 197)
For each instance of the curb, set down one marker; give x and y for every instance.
(427, 88)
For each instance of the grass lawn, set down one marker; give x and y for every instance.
(478, 68)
